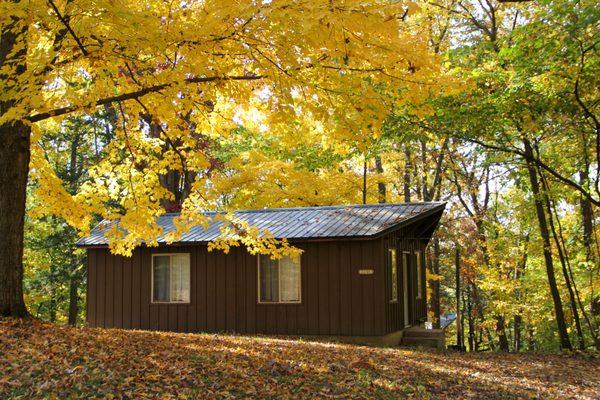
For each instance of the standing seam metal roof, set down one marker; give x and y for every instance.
(364, 221)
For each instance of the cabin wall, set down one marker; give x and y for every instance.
(336, 299)
(403, 241)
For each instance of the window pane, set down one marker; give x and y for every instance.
(160, 278)
(180, 277)
(269, 279)
(290, 279)
(394, 275)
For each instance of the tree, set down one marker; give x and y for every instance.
(54, 267)
(527, 64)
(168, 66)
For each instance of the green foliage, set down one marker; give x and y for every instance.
(53, 265)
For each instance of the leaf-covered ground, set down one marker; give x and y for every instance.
(39, 360)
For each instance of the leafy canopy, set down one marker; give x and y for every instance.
(178, 77)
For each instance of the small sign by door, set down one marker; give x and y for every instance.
(365, 272)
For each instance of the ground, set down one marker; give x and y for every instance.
(41, 360)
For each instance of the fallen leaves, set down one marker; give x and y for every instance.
(40, 360)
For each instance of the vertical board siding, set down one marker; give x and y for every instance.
(357, 299)
(220, 288)
(230, 291)
(240, 298)
(322, 266)
(92, 281)
(118, 292)
(379, 288)
(251, 290)
(101, 279)
(109, 300)
(334, 288)
(198, 319)
(147, 321)
(210, 287)
(367, 289)
(302, 309)
(312, 289)
(336, 299)
(126, 292)
(136, 291)
(345, 288)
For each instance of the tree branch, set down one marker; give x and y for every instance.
(541, 164)
(136, 94)
(66, 24)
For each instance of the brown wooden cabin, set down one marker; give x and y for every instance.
(361, 276)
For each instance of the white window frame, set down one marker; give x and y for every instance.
(394, 283)
(278, 283)
(152, 301)
(406, 289)
(419, 275)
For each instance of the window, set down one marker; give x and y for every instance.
(279, 280)
(419, 275)
(393, 276)
(171, 278)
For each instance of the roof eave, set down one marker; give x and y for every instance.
(410, 221)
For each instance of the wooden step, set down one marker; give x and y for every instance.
(424, 333)
(436, 343)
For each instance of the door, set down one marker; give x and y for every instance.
(406, 303)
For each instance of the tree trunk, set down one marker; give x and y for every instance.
(52, 287)
(587, 217)
(501, 332)
(14, 167)
(518, 318)
(562, 256)
(435, 283)
(587, 221)
(575, 299)
(407, 172)
(517, 322)
(364, 188)
(565, 343)
(73, 299)
(471, 320)
(381, 189)
(531, 340)
(459, 322)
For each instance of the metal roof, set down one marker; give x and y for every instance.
(329, 222)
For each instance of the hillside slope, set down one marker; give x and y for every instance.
(40, 360)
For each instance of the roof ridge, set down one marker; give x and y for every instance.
(330, 207)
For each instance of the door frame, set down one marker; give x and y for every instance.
(407, 292)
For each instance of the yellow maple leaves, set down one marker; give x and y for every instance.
(179, 75)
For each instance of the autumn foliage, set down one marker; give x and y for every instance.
(48, 361)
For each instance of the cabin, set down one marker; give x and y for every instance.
(360, 277)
